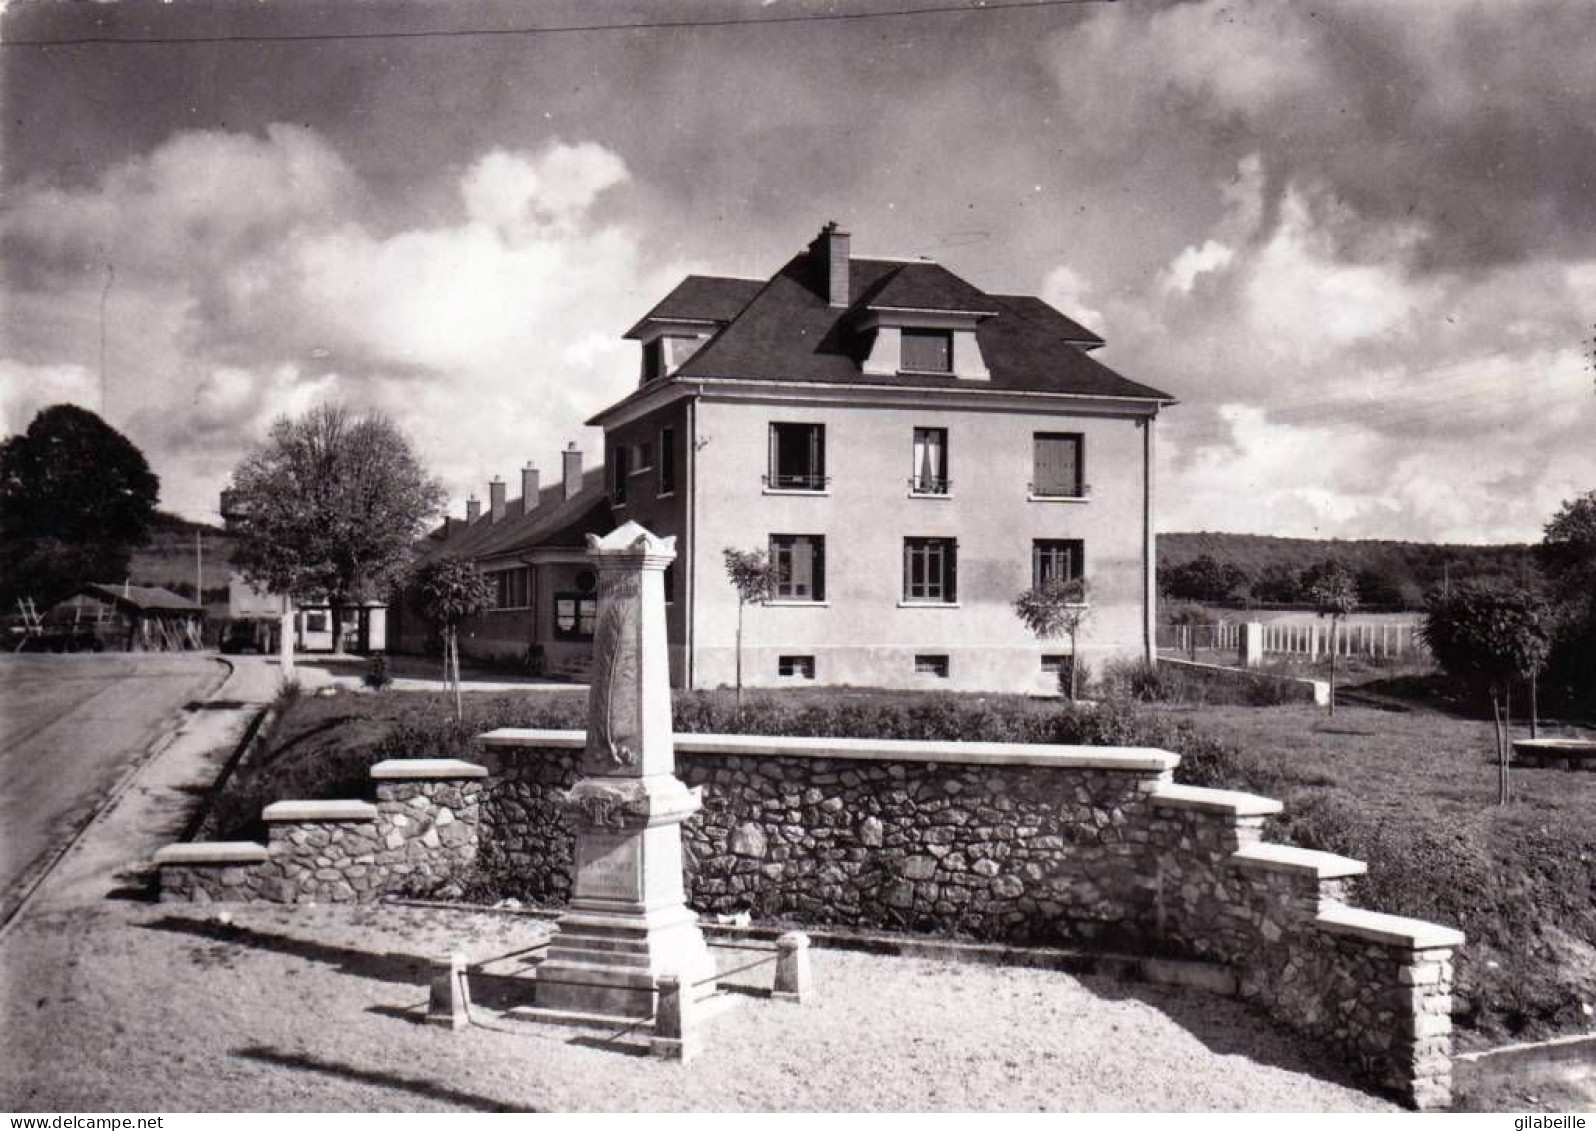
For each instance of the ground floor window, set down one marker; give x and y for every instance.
(575, 615)
(929, 570)
(800, 561)
(1056, 559)
(512, 588)
(931, 665)
(798, 667)
(1056, 662)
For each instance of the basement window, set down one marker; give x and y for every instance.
(931, 665)
(796, 667)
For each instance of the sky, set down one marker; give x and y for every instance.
(1357, 240)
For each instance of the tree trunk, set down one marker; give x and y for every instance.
(1501, 747)
(454, 650)
(740, 605)
(1507, 742)
(336, 612)
(1075, 669)
(285, 645)
(1535, 706)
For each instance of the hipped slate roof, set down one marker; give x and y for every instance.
(700, 298)
(787, 332)
(557, 522)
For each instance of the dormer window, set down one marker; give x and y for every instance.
(664, 354)
(928, 351)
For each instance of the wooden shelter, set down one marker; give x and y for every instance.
(137, 618)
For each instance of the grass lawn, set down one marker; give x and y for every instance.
(1413, 794)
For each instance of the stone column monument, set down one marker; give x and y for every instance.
(628, 922)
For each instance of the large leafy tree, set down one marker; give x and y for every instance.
(1567, 557)
(76, 498)
(1487, 636)
(330, 508)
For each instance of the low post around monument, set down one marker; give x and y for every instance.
(450, 1000)
(793, 980)
(628, 925)
(676, 1030)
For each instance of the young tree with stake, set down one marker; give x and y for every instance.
(1057, 607)
(1334, 593)
(451, 591)
(1486, 635)
(754, 577)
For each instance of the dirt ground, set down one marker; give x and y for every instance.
(136, 1006)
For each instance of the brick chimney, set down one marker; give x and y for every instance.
(473, 509)
(828, 256)
(530, 486)
(572, 470)
(496, 498)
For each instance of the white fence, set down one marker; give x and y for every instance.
(1375, 640)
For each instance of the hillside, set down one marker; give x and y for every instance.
(1396, 572)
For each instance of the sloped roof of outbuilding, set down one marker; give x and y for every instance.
(556, 521)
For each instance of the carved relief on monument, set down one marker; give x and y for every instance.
(614, 706)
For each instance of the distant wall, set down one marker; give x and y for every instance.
(1289, 687)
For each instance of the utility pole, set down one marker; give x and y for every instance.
(199, 570)
(110, 277)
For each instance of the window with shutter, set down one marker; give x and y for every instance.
(927, 351)
(667, 460)
(622, 457)
(1057, 465)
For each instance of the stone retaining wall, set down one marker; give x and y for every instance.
(1000, 842)
(420, 833)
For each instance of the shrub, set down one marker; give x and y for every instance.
(377, 675)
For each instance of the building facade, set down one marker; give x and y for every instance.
(910, 451)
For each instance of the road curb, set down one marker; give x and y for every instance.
(156, 748)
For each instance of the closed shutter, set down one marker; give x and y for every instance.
(819, 566)
(1057, 464)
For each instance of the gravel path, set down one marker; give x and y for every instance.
(130, 1007)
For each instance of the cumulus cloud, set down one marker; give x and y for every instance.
(1065, 290)
(1373, 300)
(256, 274)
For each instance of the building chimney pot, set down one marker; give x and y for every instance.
(530, 488)
(571, 472)
(496, 498)
(473, 509)
(828, 255)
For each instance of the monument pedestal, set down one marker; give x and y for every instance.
(628, 922)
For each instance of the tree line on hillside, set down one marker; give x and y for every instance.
(1245, 570)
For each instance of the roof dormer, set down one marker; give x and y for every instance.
(924, 321)
(666, 345)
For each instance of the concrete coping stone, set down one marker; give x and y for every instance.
(319, 811)
(426, 769)
(1415, 934)
(211, 852)
(1133, 759)
(1566, 745)
(1172, 796)
(1287, 858)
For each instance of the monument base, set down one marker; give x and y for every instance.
(605, 962)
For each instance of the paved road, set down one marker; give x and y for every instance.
(70, 726)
